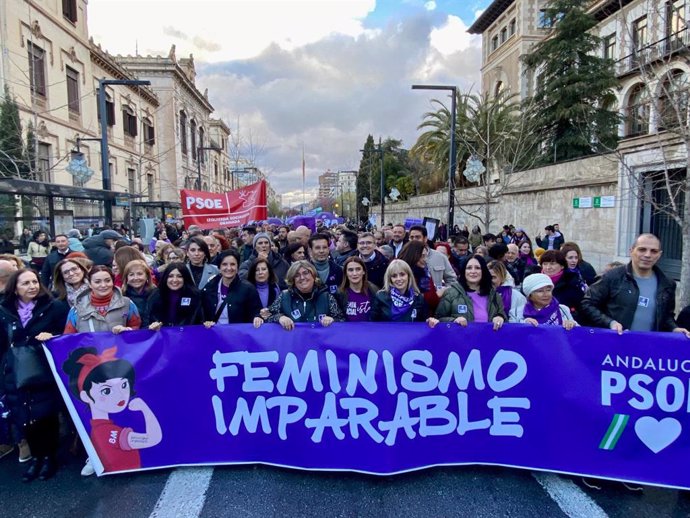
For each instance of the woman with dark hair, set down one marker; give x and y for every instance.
(569, 288)
(400, 299)
(305, 299)
(199, 259)
(264, 279)
(177, 302)
(103, 308)
(227, 299)
(356, 294)
(526, 254)
(415, 254)
(262, 250)
(473, 298)
(137, 285)
(29, 315)
(106, 385)
(576, 264)
(294, 252)
(70, 279)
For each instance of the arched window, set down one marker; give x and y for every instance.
(498, 89)
(183, 132)
(192, 133)
(202, 155)
(638, 111)
(673, 100)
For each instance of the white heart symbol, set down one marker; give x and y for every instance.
(657, 435)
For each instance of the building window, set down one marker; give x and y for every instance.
(639, 34)
(109, 109)
(148, 131)
(673, 101)
(43, 163)
(498, 89)
(202, 156)
(69, 10)
(129, 121)
(183, 132)
(131, 180)
(150, 186)
(545, 21)
(676, 25)
(609, 45)
(73, 101)
(192, 134)
(504, 35)
(494, 43)
(512, 27)
(638, 112)
(37, 69)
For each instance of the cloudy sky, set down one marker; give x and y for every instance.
(319, 73)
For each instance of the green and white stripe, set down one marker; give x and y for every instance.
(614, 432)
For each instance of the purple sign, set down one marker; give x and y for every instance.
(307, 221)
(383, 398)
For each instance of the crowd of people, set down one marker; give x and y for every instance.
(264, 274)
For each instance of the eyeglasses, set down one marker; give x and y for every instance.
(69, 272)
(302, 275)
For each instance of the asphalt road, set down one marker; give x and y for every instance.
(260, 491)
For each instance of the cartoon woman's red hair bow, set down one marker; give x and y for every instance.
(91, 361)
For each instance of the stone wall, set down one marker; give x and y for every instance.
(536, 198)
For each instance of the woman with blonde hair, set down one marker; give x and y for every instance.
(400, 299)
(138, 285)
(122, 257)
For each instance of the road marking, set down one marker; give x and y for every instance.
(570, 498)
(184, 493)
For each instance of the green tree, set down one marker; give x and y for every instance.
(12, 158)
(364, 176)
(574, 87)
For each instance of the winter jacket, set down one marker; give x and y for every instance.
(140, 301)
(189, 310)
(616, 295)
(562, 308)
(441, 271)
(340, 260)
(455, 303)
(570, 290)
(208, 273)
(32, 403)
(279, 265)
(243, 303)
(299, 307)
(557, 242)
(96, 250)
(335, 276)
(85, 318)
(381, 310)
(49, 264)
(376, 268)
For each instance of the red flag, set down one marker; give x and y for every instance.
(210, 210)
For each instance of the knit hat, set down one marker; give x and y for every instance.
(538, 252)
(74, 233)
(534, 282)
(259, 236)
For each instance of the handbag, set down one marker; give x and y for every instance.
(27, 364)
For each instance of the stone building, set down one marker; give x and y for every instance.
(52, 70)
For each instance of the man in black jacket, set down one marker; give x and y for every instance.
(374, 261)
(56, 255)
(637, 296)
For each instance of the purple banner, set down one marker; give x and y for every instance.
(383, 398)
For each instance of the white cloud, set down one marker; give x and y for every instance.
(453, 37)
(430, 6)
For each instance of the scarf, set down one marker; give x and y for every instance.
(101, 304)
(322, 268)
(25, 311)
(550, 315)
(401, 303)
(557, 277)
(529, 260)
(72, 294)
(506, 293)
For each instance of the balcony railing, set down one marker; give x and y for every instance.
(654, 52)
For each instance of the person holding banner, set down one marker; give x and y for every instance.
(177, 301)
(199, 266)
(400, 299)
(473, 298)
(103, 308)
(356, 293)
(305, 300)
(264, 279)
(28, 315)
(227, 299)
(138, 285)
(542, 308)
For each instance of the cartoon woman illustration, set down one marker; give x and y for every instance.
(106, 384)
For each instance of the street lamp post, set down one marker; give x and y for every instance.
(105, 166)
(453, 154)
(199, 149)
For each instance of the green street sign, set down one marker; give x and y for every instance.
(597, 202)
(576, 203)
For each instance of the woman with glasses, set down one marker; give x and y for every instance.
(70, 280)
(305, 299)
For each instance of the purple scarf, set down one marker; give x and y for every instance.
(506, 293)
(25, 310)
(550, 315)
(401, 303)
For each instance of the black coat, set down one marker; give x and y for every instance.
(569, 291)
(243, 301)
(33, 403)
(615, 297)
(185, 314)
(141, 302)
(49, 264)
(376, 269)
(381, 310)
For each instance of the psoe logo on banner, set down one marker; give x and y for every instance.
(644, 392)
(204, 203)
